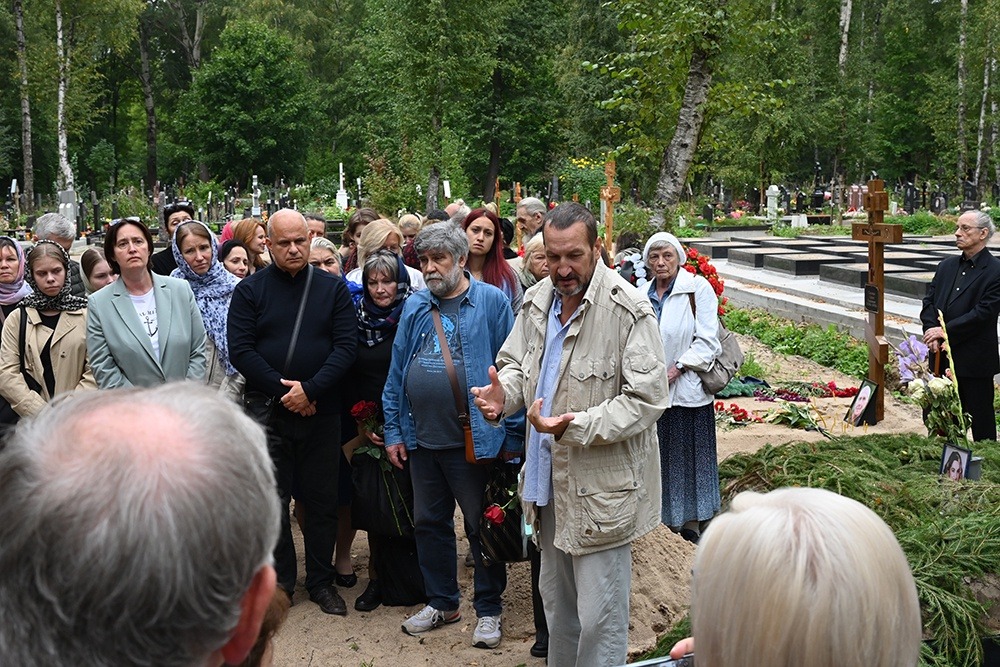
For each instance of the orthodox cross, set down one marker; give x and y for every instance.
(877, 234)
(610, 194)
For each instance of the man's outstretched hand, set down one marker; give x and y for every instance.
(490, 399)
(554, 425)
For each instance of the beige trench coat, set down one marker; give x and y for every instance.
(612, 377)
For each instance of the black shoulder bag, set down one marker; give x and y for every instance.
(8, 416)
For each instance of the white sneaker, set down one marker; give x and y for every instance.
(487, 634)
(429, 618)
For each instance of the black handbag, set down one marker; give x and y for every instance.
(382, 501)
(501, 531)
(259, 405)
(8, 416)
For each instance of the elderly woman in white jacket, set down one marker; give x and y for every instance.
(687, 309)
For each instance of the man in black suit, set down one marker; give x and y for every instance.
(966, 289)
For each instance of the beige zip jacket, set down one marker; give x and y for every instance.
(612, 376)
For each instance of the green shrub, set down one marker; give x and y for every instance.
(751, 367)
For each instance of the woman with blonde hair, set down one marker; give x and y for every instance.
(533, 266)
(801, 576)
(46, 354)
(252, 233)
(378, 235)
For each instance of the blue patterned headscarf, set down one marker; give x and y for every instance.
(212, 292)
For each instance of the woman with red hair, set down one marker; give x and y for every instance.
(486, 262)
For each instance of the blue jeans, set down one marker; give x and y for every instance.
(441, 477)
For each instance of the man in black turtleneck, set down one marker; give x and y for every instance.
(304, 431)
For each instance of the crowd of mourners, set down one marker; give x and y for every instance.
(453, 327)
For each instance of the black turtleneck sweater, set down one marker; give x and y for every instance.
(261, 319)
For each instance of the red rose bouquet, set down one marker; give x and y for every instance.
(700, 265)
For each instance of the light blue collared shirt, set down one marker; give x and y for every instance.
(538, 454)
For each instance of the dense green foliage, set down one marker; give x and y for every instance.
(949, 531)
(405, 92)
(824, 345)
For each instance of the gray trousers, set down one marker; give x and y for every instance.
(586, 601)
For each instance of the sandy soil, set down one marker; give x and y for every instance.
(660, 575)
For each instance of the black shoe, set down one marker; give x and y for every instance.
(540, 649)
(371, 599)
(329, 600)
(345, 580)
(690, 535)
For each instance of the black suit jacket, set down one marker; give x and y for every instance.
(970, 314)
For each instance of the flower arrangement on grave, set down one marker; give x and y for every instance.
(496, 513)
(631, 268)
(701, 265)
(734, 415)
(938, 396)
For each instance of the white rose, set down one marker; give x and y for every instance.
(939, 386)
(917, 391)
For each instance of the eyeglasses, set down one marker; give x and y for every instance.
(133, 219)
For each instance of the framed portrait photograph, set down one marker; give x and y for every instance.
(862, 410)
(955, 462)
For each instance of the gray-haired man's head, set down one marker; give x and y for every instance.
(137, 528)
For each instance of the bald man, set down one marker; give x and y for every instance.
(300, 377)
(135, 529)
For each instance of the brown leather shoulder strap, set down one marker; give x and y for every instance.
(461, 404)
(694, 309)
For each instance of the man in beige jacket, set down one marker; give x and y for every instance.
(585, 356)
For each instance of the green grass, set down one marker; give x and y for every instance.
(949, 532)
(750, 366)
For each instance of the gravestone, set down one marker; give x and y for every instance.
(970, 198)
(909, 197)
(800, 201)
(939, 201)
(877, 234)
(817, 195)
(854, 198)
(755, 201)
(772, 202)
(67, 205)
(923, 195)
(255, 206)
(341, 192)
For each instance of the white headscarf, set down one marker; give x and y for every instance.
(664, 237)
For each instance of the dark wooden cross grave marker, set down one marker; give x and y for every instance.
(610, 194)
(877, 234)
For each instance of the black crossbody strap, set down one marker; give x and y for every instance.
(298, 319)
(28, 380)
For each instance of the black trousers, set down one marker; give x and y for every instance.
(976, 395)
(306, 456)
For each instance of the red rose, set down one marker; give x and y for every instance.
(363, 410)
(494, 514)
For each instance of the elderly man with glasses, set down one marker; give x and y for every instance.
(966, 291)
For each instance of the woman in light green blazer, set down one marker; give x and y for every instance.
(143, 329)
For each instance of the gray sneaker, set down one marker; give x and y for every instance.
(429, 618)
(487, 633)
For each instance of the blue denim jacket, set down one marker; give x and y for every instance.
(484, 320)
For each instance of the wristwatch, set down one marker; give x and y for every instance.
(679, 367)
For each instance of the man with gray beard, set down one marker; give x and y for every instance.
(423, 424)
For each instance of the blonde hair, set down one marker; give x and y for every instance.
(373, 236)
(409, 221)
(803, 577)
(535, 244)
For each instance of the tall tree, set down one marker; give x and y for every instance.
(22, 66)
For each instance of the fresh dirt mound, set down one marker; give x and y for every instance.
(661, 563)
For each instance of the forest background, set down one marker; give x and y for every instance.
(686, 94)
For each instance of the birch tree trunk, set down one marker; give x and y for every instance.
(679, 154)
(146, 79)
(22, 65)
(981, 154)
(960, 128)
(433, 181)
(65, 171)
(845, 29)
(190, 41)
(993, 125)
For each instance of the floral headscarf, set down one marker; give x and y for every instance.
(212, 292)
(11, 293)
(64, 300)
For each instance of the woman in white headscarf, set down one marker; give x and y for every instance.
(688, 313)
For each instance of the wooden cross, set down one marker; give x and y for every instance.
(610, 194)
(877, 234)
